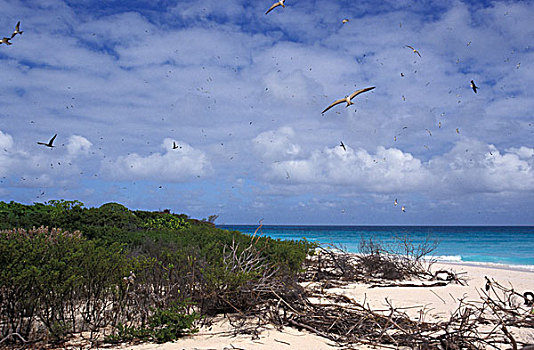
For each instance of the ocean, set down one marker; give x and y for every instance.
(494, 245)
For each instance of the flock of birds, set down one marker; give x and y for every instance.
(347, 99)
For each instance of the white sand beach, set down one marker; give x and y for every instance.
(436, 303)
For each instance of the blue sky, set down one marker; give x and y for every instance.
(241, 94)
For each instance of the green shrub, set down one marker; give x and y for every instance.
(52, 276)
(164, 325)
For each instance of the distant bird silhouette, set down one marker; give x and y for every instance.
(275, 5)
(49, 144)
(473, 86)
(5, 41)
(346, 20)
(342, 146)
(457, 130)
(348, 99)
(395, 203)
(428, 131)
(414, 50)
(17, 30)
(403, 209)
(174, 145)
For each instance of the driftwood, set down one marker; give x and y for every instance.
(348, 322)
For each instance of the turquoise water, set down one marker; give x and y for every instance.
(506, 245)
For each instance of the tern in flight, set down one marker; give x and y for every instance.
(17, 30)
(473, 86)
(5, 41)
(395, 203)
(414, 50)
(49, 144)
(403, 209)
(348, 99)
(346, 20)
(342, 145)
(276, 4)
(174, 145)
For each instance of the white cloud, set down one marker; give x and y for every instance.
(384, 171)
(174, 165)
(275, 145)
(78, 145)
(470, 166)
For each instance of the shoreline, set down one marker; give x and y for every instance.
(489, 265)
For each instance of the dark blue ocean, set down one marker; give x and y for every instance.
(503, 245)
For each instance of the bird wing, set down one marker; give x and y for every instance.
(17, 27)
(356, 93)
(411, 47)
(417, 52)
(333, 104)
(272, 7)
(41, 143)
(52, 140)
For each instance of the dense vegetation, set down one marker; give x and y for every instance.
(144, 275)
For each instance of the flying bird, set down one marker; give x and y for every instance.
(17, 30)
(49, 144)
(457, 130)
(348, 99)
(5, 41)
(174, 145)
(403, 209)
(346, 20)
(414, 50)
(276, 4)
(395, 203)
(342, 146)
(473, 86)
(428, 131)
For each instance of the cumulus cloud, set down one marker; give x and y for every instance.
(473, 166)
(276, 144)
(78, 145)
(174, 165)
(470, 166)
(35, 166)
(385, 170)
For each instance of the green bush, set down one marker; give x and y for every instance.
(136, 271)
(164, 325)
(51, 276)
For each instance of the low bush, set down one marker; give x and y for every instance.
(147, 275)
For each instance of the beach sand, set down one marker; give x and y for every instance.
(437, 303)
